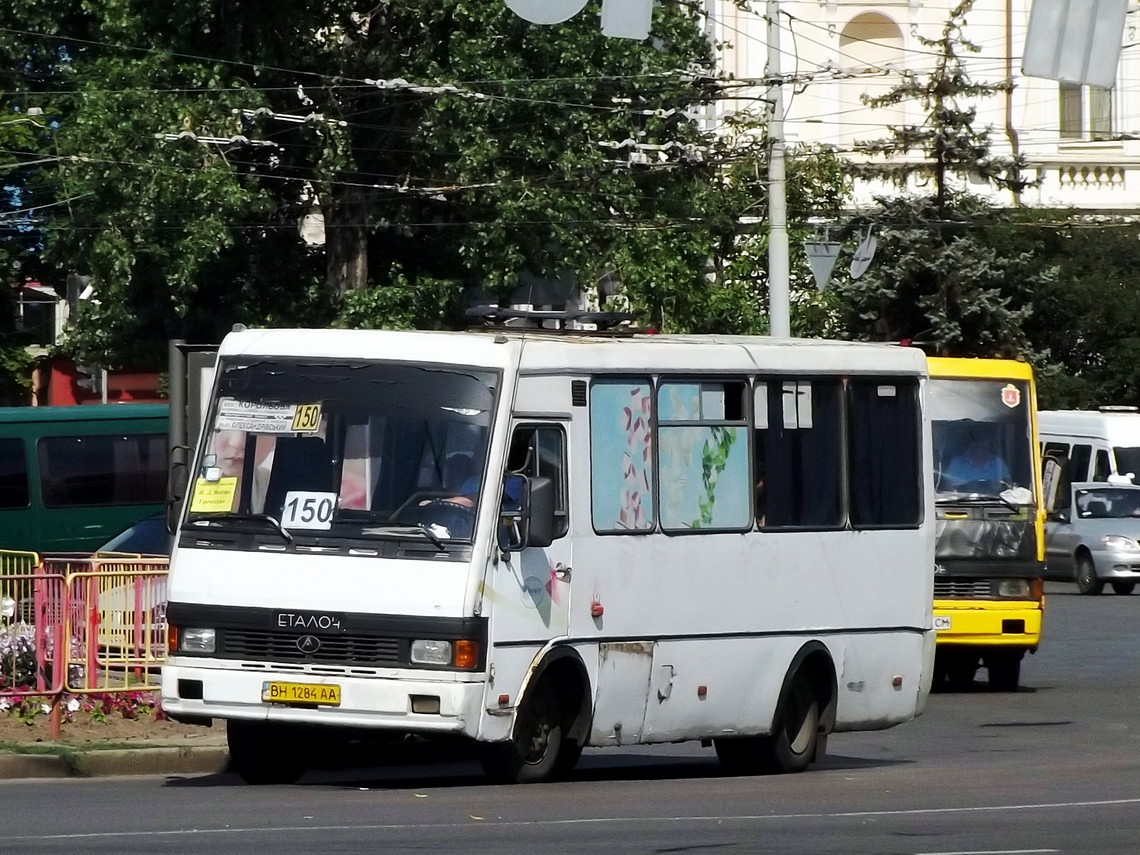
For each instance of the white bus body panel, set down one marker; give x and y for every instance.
(696, 631)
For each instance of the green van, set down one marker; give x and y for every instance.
(72, 477)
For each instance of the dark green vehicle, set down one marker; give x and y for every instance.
(71, 477)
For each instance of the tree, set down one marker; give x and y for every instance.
(446, 143)
(1088, 319)
(951, 268)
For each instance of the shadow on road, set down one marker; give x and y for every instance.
(425, 768)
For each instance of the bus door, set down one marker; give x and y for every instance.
(532, 586)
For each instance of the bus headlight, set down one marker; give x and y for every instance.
(196, 640)
(431, 652)
(1116, 541)
(1015, 589)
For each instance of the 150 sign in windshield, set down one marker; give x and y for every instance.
(308, 510)
(255, 417)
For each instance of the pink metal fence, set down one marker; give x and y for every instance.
(71, 624)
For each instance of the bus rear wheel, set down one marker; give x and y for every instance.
(534, 751)
(262, 753)
(790, 747)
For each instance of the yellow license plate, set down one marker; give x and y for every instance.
(317, 694)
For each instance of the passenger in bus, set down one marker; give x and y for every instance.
(980, 466)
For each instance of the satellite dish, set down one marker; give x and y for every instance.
(546, 11)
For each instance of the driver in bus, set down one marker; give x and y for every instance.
(978, 465)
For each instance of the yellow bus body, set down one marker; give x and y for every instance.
(966, 621)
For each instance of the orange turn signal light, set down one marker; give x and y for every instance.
(466, 654)
(171, 638)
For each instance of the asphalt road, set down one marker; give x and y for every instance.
(1052, 768)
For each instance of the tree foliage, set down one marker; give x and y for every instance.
(952, 269)
(445, 144)
(1088, 319)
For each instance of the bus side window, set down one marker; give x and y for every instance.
(798, 454)
(885, 453)
(1079, 463)
(621, 455)
(540, 451)
(1101, 469)
(13, 474)
(702, 454)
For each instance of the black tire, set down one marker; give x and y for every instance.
(961, 668)
(1087, 581)
(568, 758)
(1004, 669)
(790, 748)
(1123, 588)
(263, 753)
(532, 754)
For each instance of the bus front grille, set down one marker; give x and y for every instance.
(962, 589)
(344, 649)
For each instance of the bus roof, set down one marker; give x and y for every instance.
(83, 413)
(1112, 427)
(545, 352)
(980, 368)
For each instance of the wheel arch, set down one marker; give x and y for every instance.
(814, 661)
(562, 668)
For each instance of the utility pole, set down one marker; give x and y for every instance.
(779, 300)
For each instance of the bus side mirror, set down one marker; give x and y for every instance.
(526, 515)
(178, 479)
(541, 512)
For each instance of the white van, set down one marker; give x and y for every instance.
(1099, 445)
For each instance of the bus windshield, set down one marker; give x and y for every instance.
(351, 450)
(982, 439)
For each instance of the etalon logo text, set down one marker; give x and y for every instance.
(291, 620)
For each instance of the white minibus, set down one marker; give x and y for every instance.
(544, 540)
(1098, 445)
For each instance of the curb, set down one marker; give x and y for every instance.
(129, 761)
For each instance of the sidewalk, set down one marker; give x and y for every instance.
(156, 754)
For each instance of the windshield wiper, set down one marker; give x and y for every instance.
(236, 517)
(977, 499)
(404, 531)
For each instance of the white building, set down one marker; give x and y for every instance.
(1076, 138)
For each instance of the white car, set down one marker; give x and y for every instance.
(1096, 539)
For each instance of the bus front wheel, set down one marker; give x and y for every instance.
(1004, 669)
(262, 753)
(533, 752)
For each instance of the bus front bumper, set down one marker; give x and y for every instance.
(988, 623)
(216, 689)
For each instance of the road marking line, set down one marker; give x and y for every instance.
(598, 820)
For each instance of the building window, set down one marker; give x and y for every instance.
(1086, 112)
